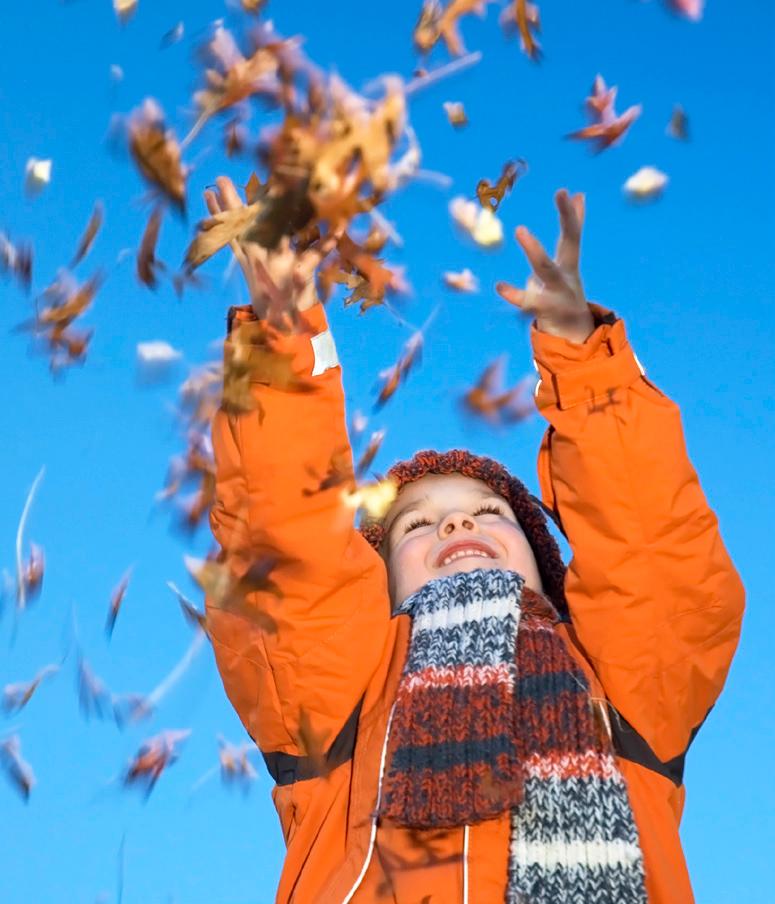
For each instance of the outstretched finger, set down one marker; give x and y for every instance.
(511, 293)
(228, 193)
(543, 266)
(571, 218)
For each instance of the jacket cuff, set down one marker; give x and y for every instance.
(571, 373)
(310, 346)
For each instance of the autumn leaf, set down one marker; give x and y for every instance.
(369, 453)
(153, 757)
(489, 195)
(393, 376)
(456, 113)
(489, 400)
(607, 128)
(94, 698)
(678, 127)
(192, 615)
(17, 696)
(147, 263)
(524, 18)
(90, 234)
(480, 223)
(464, 281)
(442, 23)
(116, 599)
(17, 260)
(18, 772)
(157, 153)
(217, 231)
(647, 184)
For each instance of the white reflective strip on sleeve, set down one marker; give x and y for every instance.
(640, 366)
(325, 352)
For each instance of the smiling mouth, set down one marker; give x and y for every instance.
(464, 553)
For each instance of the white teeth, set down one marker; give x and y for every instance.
(465, 552)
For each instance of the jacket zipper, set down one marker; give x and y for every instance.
(373, 836)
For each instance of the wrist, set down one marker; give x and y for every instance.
(577, 328)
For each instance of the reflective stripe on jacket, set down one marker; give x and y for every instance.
(655, 602)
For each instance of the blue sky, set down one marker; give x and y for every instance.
(692, 276)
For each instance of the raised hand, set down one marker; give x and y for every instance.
(553, 293)
(281, 281)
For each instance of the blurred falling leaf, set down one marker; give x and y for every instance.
(17, 771)
(193, 616)
(491, 195)
(227, 591)
(646, 185)
(235, 766)
(689, 9)
(17, 696)
(489, 400)
(217, 231)
(172, 36)
(124, 9)
(439, 22)
(524, 18)
(678, 127)
(607, 128)
(393, 376)
(464, 281)
(116, 599)
(147, 263)
(456, 113)
(90, 234)
(37, 175)
(374, 498)
(116, 73)
(16, 260)
(94, 698)
(157, 153)
(369, 453)
(153, 757)
(480, 223)
(32, 574)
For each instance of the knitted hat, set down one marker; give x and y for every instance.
(528, 509)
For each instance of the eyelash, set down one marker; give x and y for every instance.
(490, 509)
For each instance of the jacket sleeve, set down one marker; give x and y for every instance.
(295, 655)
(654, 598)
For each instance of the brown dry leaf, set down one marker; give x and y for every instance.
(608, 128)
(124, 9)
(234, 78)
(524, 18)
(491, 195)
(253, 6)
(217, 231)
(93, 694)
(32, 572)
(153, 757)
(17, 696)
(90, 234)
(67, 305)
(489, 400)
(17, 260)
(678, 127)
(157, 153)
(370, 452)
(393, 376)
(228, 592)
(437, 22)
(147, 263)
(18, 772)
(192, 615)
(464, 281)
(116, 599)
(339, 472)
(456, 113)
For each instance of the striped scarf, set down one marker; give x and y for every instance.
(493, 714)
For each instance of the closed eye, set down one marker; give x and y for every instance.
(487, 509)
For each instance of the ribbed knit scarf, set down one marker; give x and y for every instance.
(492, 714)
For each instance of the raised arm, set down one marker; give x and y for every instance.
(286, 649)
(654, 598)
(653, 595)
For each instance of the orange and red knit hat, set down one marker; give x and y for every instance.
(528, 509)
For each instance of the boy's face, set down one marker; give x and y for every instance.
(445, 523)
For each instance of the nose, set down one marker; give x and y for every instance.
(456, 521)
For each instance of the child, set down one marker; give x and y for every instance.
(448, 712)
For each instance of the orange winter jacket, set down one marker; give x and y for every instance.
(311, 664)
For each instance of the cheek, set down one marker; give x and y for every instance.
(410, 556)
